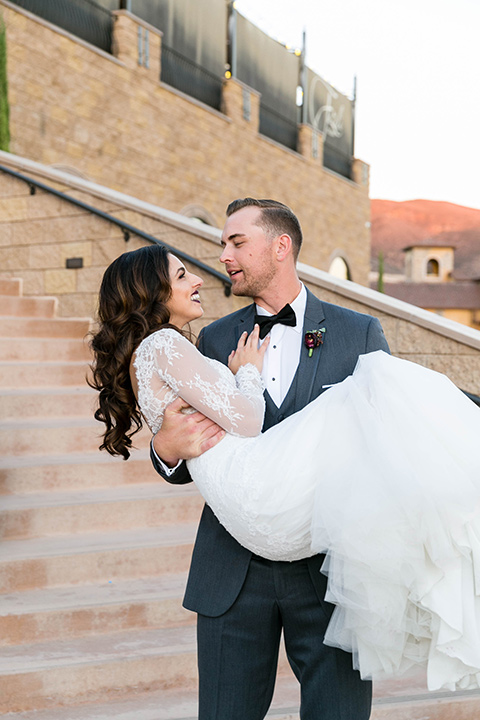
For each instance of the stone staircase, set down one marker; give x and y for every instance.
(94, 553)
(93, 550)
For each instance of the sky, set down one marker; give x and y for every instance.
(417, 64)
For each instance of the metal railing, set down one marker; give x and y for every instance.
(126, 228)
(83, 18)
(277, 127)
(473, 398)
(192, 79)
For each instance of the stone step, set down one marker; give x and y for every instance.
(168, 704)
(62, 613)
(393, 700)
(29, 307)
(25, 474)
(59, 673)
(94, 557)
(22, 327)
(67, 435)
(100, 667)
(11, 286)
(97, 510)
(47, 374)
(77, 400)
(42, 349)
(461, 705)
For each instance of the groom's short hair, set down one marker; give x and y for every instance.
(276, 219)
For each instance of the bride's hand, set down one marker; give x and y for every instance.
(248, 351)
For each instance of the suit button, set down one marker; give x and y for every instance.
(281, 417)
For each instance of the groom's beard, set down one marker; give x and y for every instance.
(253, 283)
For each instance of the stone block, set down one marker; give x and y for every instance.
(78, 304)
(59, 114)
(463, 370)
(32, 282)
(45, 205)
(13, 208)
(105, 251)
(11, 187)
(6, 235)
(75, 150)
(59, 282)
(45, 256)
(89, 279)
(413, 339)
(76, 250)
(14, 258)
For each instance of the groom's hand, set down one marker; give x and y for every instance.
(184, 436)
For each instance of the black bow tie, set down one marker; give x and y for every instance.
(286, 316)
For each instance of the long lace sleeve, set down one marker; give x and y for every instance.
(167, 365)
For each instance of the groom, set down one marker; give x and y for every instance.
(243, 601)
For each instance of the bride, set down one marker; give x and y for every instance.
(389, 493)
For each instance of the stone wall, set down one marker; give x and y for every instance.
(38, 233)
(412, 333)
(112, 121)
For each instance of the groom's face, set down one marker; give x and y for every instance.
(248, 253)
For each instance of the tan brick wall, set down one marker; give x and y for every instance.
(38, 233)
(113, 121)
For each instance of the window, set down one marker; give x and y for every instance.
(433, 268)
(200, 214)
(339, 268)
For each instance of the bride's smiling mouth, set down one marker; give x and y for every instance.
(195, 297)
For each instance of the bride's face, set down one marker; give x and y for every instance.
(184, 303)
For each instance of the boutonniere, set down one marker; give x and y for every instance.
(313, 338)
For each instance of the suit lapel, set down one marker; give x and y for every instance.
(245, 323)
(308, 366)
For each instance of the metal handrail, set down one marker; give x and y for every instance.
(126, 228)
(472, 397)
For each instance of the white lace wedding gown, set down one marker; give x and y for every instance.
(381, 473)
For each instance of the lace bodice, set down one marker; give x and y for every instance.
(167, 366)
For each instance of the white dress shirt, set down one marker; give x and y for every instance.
(283, 353)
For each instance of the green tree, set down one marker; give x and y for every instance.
(380, 272)
(4, 109)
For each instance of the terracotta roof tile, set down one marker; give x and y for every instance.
(461, 295)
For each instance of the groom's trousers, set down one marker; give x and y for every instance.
(238, 651)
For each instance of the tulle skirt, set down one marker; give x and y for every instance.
(382, 474)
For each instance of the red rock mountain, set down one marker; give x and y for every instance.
(397, 225)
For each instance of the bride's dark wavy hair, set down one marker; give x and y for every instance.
(132, 304)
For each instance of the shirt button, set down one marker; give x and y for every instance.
(273, 378)
(274, 347)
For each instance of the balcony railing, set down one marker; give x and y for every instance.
(277, 127)
(83, 18)
(192, 79)
(337, 161)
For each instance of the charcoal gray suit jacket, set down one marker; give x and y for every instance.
(219, 563)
